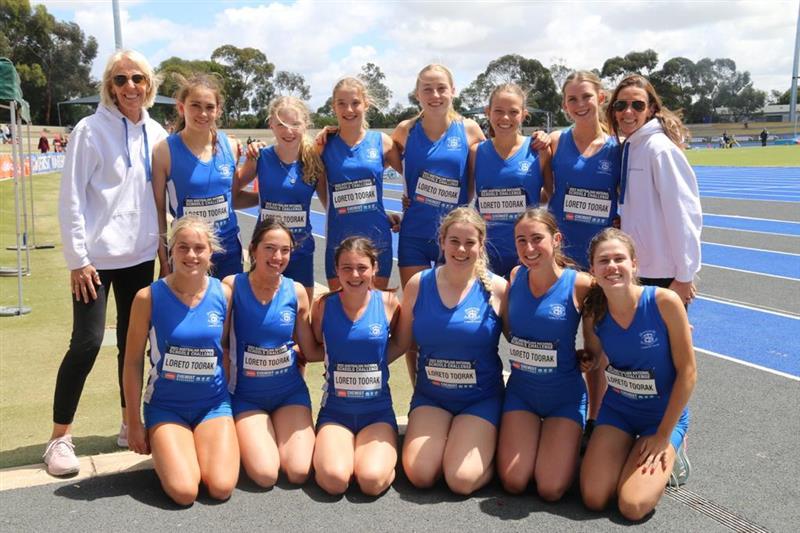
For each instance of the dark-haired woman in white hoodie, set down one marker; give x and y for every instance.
(659, 201)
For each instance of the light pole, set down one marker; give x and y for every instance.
(117, 26)
(793, 96)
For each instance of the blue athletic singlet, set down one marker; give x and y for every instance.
(355, 191)
(356, 368)
(435, 175)
(585, 197)
(641, 372)
(505, 188)
(284, 195)
(542, 346)
(186, 349)
(262, 359)
(203, 188)
(458, 357)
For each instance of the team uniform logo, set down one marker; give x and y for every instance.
(453, 143)
(524, 167)
(372, 154)
(472, 314)
(604, 166)
(558, 311)
(214, 319)
(287, 317)
(648, 339)
(375, 330)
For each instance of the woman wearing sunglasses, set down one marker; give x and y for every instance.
(659, 201)
(109, 231)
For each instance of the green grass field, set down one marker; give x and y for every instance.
(32, 346)
(748, 156)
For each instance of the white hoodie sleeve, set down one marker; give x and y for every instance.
(81, 162)
(680, 202)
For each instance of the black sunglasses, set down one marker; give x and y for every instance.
(137, 79)
(637, 105)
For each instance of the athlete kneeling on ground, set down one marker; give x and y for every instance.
(188, 426)
(356, 426)
(270, 400)
(641, 336)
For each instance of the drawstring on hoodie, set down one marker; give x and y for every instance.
(146, 150)
(624, 174)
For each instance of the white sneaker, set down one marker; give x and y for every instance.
(122, 438)
(59, 456)
(682, 467)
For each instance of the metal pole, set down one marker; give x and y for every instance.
(32, 242)
(117, 26)
(793, 97)
(16, 167)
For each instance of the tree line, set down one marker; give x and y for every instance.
(54, 59)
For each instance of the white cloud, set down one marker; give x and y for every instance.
(327, 40)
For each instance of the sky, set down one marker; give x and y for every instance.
(325, 40)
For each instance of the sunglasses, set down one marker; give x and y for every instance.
(137, 79)
(637, 105)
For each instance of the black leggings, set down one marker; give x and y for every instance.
(88, 328)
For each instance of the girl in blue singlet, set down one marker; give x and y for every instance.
(355, 159)
(545, 403)
(356, 426)
(435, 147)
(586, 174)
(452, 313)
(586, 167)
(195, 168)
(270, 399)
(288, 172)
(641, 336)
(188, 427)
(508, 173)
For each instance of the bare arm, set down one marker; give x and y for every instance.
(322, 190)
(504, 304)
(473, 154)
(391, 306)
(161, 166)
(245, 174)
(304, 336)
(317, 311)
(133, 368)
(403, 335)
(227, 290)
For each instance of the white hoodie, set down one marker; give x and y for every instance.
(106, 207)
(662, 209)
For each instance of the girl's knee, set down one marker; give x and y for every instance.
(465, 482)
(635, 509)
(221, 489)
(373, 481)
(513, 480)
(334, 483)
(421, 476)
(595, 498)
(182, 493)
(551, 490)
(263, 477)
(298, 474)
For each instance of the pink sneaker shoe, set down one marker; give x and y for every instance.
(59, 456)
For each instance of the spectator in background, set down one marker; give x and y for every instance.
(44, 144)
(6, 132)
(764, 135)
(58, 145)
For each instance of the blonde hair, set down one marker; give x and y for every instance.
(595, 304)
(514, 89)
(199, 225)
(313, 167)
(580, 76)
(452, 114)
(107, 96)
(185, 88)
(469, 216)
(350, 82)
(670, 121)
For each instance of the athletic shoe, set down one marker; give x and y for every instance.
(587, 434)
(122, 438)
(60, 457)
(682, 467)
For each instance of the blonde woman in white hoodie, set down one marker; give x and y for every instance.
(659, 201)
(109, 231)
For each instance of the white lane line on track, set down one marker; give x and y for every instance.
(750, 231)
(747, 363)
(750, 248)
(749, 199)
(743, 305)
(753, 218)
(751, 272)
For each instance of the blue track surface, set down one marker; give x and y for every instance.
(760, 261)
(752, 224)
(778, 184)
(757, 337)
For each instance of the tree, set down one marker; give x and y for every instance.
(292, 84)
(53, 58)
(777, 97)
(248, 72)
(559, 71)
(676, 82)
(616, 68)
(373, 77)
(529, 74)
